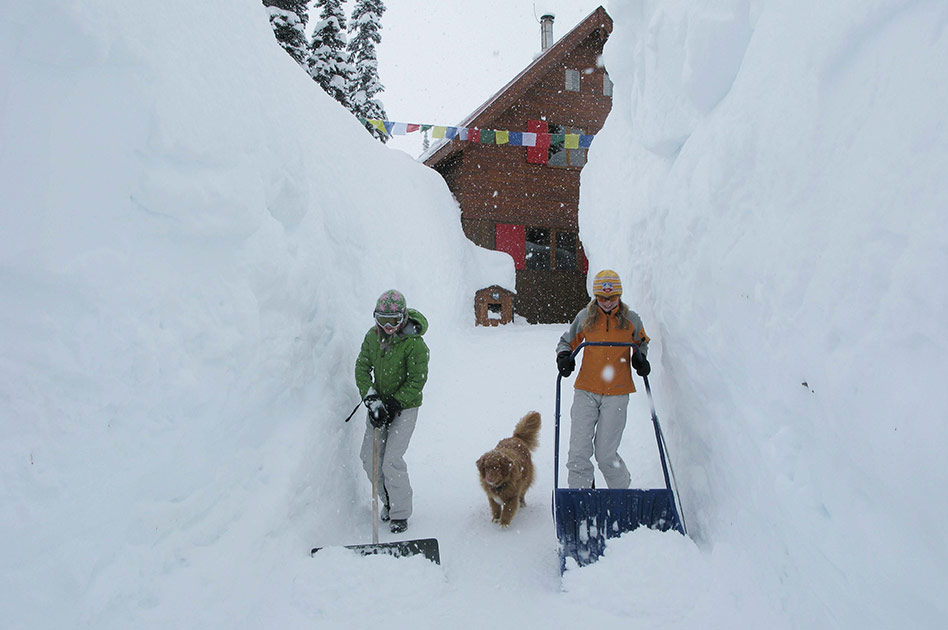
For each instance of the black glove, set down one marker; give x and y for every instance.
(640, 363)
(378, 414)
(565, 363)
(392, 406)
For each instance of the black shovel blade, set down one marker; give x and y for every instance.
(427, 547)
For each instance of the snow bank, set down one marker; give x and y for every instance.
(781, 229)
(192, 242)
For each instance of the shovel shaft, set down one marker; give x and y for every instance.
(375, 486)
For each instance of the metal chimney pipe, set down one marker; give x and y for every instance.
(546, 31)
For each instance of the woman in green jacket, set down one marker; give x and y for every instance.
(390, 373)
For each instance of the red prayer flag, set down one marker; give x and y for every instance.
(411, 127)
(540, 153)
(474, 135)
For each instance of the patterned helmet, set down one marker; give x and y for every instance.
(391, 302)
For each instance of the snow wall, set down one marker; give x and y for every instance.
(770, 186)
(192, 240)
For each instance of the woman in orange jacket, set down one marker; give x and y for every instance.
(602, 388)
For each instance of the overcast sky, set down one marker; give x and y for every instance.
(441, 59)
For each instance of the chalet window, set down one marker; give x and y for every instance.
(565, 253)
(606, 84)
(558, 154)
(538, 248)
(572, 80)
(541, 248)
(548, 249)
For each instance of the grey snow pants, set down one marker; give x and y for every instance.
(393, 471)
(597, 423)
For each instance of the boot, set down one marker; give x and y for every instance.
(399, 525)
(386, 506)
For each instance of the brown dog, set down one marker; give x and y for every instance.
(507, 470)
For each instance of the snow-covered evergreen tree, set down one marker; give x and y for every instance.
(288, 19)
(327, 51)
(365, 28)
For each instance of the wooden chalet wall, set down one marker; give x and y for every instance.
(495, 184)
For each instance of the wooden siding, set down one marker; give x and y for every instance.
(495, 184)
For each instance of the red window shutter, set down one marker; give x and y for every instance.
(583, 261)
(511, 239)
(541, 152)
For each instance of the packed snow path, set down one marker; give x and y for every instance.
(480, 384)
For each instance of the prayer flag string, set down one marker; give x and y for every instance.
(484, 136)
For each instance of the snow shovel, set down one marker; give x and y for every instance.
(428, 547)
(585, 518)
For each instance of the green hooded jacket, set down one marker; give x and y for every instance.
(399, 370)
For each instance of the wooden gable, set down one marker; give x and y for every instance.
(505, 195)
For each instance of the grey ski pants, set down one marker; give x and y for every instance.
(393, 471)
(596, 427)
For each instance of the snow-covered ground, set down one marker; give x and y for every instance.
(192, 238)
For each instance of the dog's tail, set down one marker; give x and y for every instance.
(528, 430)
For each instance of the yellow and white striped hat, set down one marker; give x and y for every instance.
(607, 283)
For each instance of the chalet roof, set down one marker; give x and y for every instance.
(508, 95)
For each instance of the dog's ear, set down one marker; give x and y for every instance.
(480, 464)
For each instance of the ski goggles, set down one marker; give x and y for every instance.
(389, 319)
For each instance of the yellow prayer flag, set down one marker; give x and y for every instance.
(437, 132)
(572, 141)
(378, 124)
(502, 137)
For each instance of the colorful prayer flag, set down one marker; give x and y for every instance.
(538, 152)
(536, 138)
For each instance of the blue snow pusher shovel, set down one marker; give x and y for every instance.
(585, 518)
